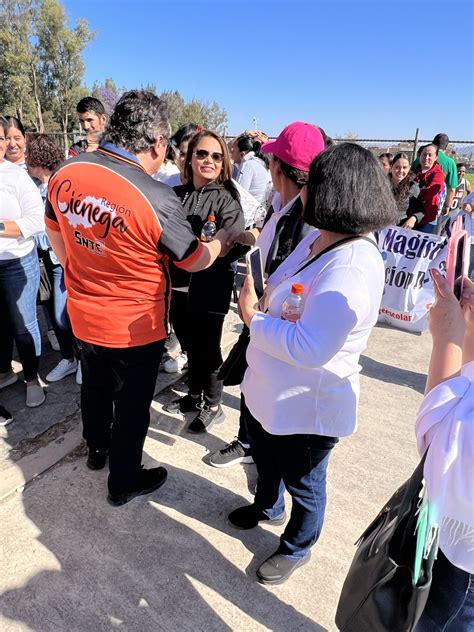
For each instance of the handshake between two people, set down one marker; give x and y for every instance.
(220, 245)
(236, 237)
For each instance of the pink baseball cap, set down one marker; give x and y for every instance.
(296, 145)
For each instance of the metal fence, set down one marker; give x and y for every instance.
(461, 150)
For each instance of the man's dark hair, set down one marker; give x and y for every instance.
(459, 165)
(137, 120)
(90, 104)
(348, 193)
(441, 141)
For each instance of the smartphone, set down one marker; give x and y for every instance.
(457, 262)
(253, 259)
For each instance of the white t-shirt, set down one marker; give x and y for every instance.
(303, 378)
(21, 202)
(166, 170)
(253, 176)
(265, 239)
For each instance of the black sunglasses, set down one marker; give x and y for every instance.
(203, 153)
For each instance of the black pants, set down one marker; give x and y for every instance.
(204, 355)
(243, 434)
(179, 318)
(117, 389)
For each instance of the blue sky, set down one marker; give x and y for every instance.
(377, 68)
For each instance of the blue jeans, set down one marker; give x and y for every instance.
(298, 463)
(431, 229)
(450, 606)
(19, 283)
(57, 308)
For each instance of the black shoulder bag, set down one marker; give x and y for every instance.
(378, 594)
(233, 369)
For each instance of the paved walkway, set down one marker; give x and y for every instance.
(170, 561)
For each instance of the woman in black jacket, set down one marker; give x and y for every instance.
(405, 190)
(201, 300)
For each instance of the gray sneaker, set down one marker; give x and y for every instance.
(34, 395)
(9, 379)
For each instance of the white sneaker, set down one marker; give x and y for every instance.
(53, 341)
(5, 416)
(173, 365)
(65, 367)
(79, 374)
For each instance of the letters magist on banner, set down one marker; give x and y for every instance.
(408, 256)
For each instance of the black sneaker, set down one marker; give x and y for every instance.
(151, 480)
(186, 404)
(96, 459)
(248, 517)
(231, 454)
(277, 568)
(207, 417)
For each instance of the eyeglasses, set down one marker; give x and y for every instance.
(216, 156)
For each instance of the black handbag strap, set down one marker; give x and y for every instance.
(412, 487)
(332, 247)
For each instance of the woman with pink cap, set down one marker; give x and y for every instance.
(290, 158)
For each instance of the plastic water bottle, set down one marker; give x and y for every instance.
(292, 307)
(209, 229)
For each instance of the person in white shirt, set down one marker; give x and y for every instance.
(301, 387)
(445, 428)
(21, 217)
(250, 170)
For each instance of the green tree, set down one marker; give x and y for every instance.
(207, 115)
(60, 57)
(21, 89)
(176, 105)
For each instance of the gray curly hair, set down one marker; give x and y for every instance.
(137, 120)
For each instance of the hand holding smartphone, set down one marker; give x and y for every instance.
(457, 262)
(253, 259)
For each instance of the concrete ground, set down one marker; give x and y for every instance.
(170, 561)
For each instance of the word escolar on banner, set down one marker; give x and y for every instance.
(408, 256)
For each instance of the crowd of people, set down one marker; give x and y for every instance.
(112, 245)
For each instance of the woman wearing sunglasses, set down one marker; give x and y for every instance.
(201, 300)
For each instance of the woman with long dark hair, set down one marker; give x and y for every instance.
(201, 300)
(405, 190)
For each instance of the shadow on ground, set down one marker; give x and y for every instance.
(392, 374)
(138, 567)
